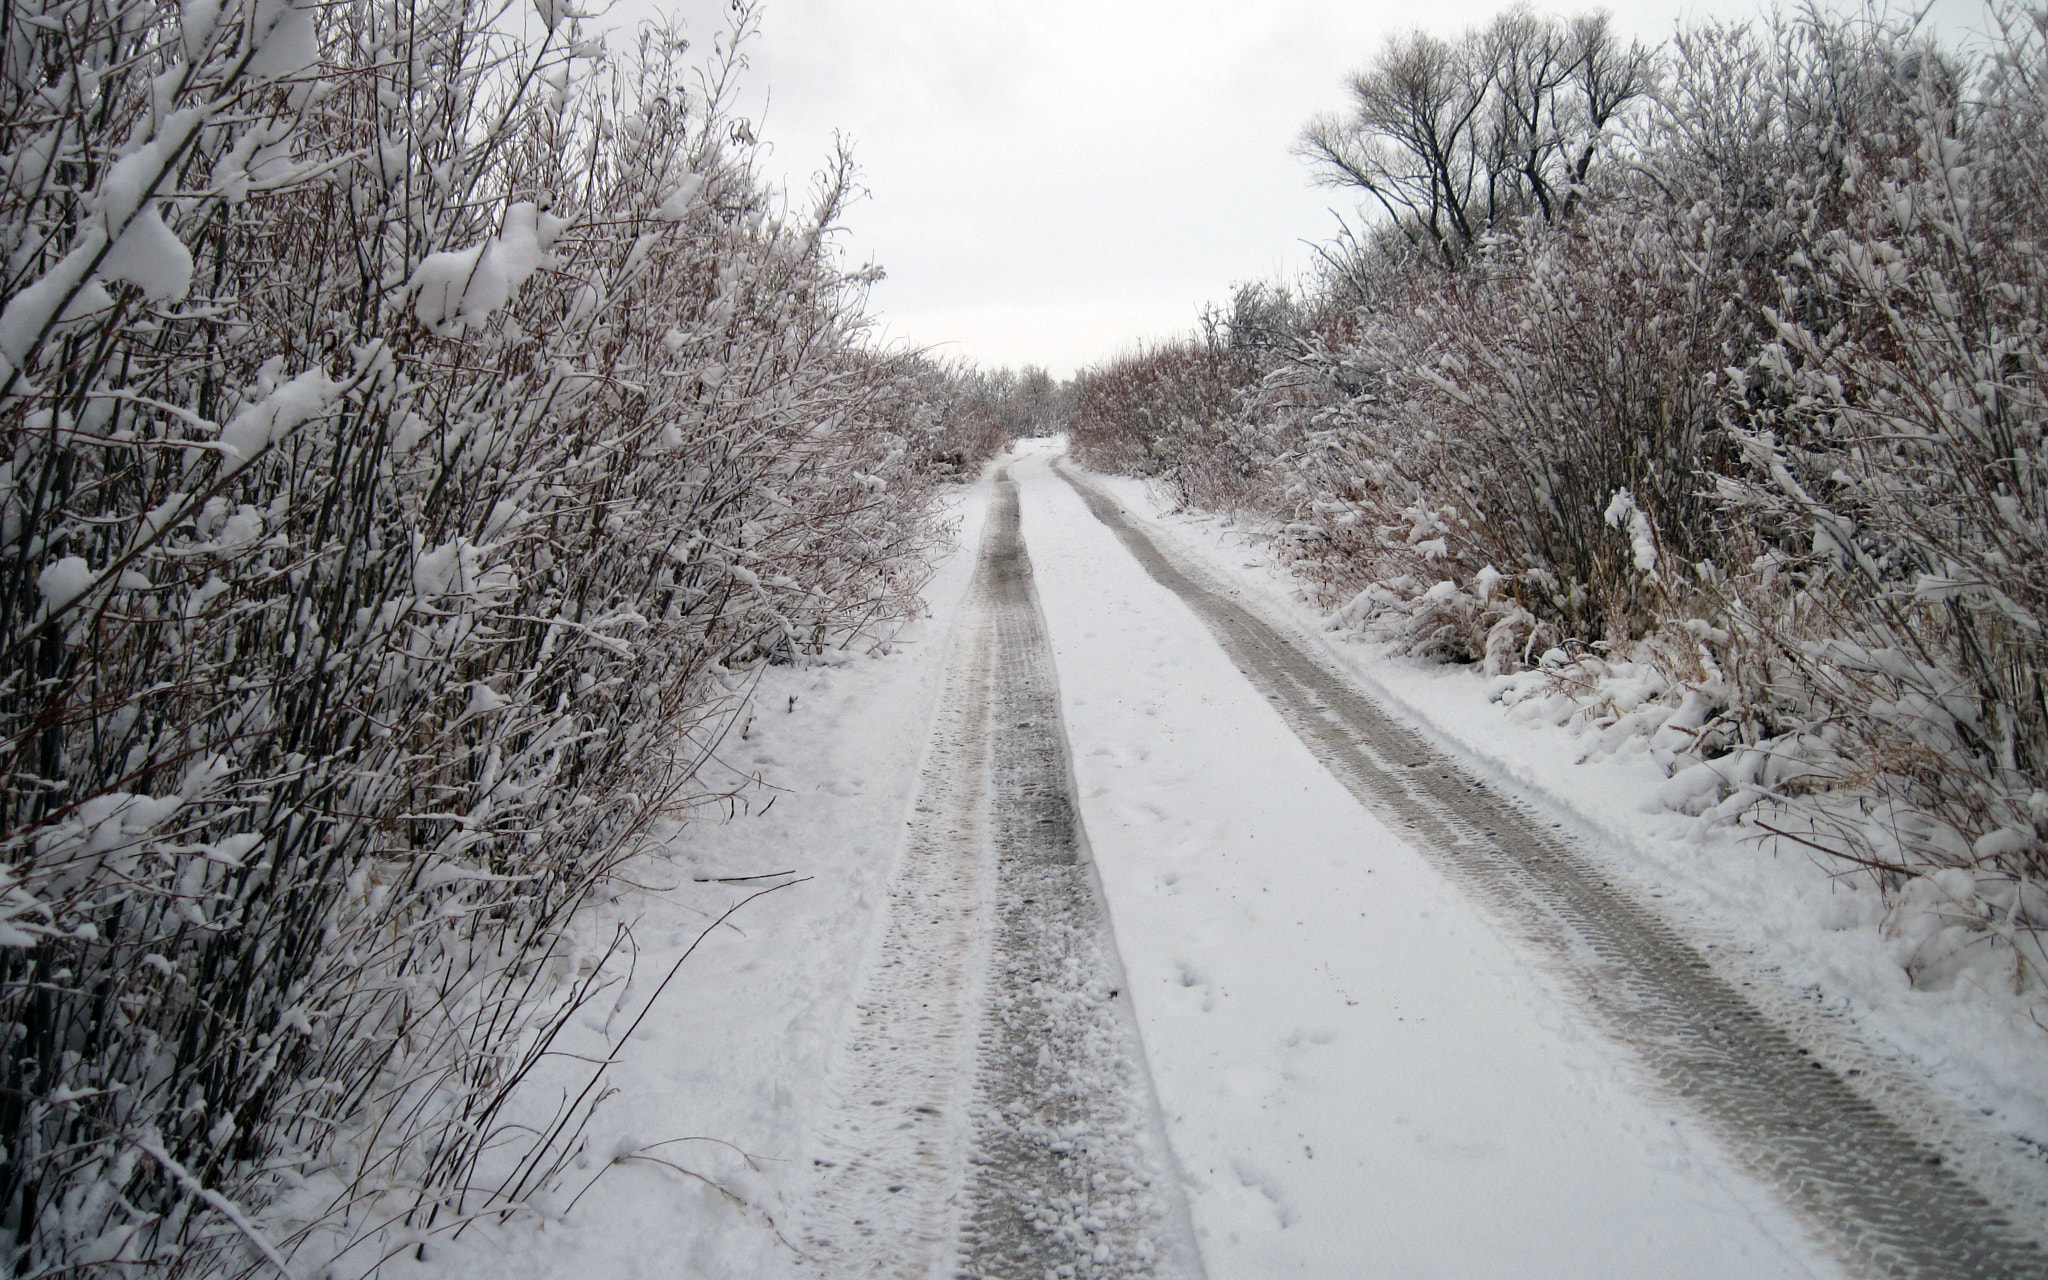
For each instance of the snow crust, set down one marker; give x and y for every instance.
(288, 43)
(150, 257)
(1623, 513)
(278, 409)
(63, 581)
(462, 287)
(678, 202)
(29, 311)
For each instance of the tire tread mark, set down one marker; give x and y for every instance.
(990, 1115)
(1069, 1175)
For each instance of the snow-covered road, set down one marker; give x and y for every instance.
(1882, 1203)
(990, 1113)
(1360, 1075)
(933, 1053)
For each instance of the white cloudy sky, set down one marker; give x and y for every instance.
(1053, 180)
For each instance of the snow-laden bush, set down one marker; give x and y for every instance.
(1206, 415)
(417, 421)
(1894, 460)
(1751, 442)
(1146, 410)
(1505, 436)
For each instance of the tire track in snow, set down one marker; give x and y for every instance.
(888, 1165)
(1885, 1202)
(992, 1115)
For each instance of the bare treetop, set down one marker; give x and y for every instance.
(1452, 138)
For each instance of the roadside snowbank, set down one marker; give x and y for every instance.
(693, 1161)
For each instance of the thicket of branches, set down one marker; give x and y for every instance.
(1742, 384)
(417, 422)
(985, 409)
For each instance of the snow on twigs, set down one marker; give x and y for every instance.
(366, 600)
(678, 202)
(1623, 513)
(148, 256)
(1756, 418)
(465, 286)
(270, 417)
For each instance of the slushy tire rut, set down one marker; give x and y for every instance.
(1885, 1202)
(991, 1114)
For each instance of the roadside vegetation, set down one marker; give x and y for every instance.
(1700, 390)
(419, 420)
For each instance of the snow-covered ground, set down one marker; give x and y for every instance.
(1359, 1073)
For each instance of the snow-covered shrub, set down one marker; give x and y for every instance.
(1748, 438)
(1506, 436)
(417, 421)
(1150, 412)
(1894, 463)
(1207, 415)
(971, 414)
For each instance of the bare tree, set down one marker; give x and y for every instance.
(1606, 79)
(1532, 63)
(1410, 140)
(1450, 139)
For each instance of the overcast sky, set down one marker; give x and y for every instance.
(1052, 181)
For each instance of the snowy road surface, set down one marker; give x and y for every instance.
(1377, 1052)
(990, 1113)
(1360, 1075)
(1496, 1070)
(1110, 950)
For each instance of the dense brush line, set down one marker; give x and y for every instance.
(1757, 415)
(418, 420)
